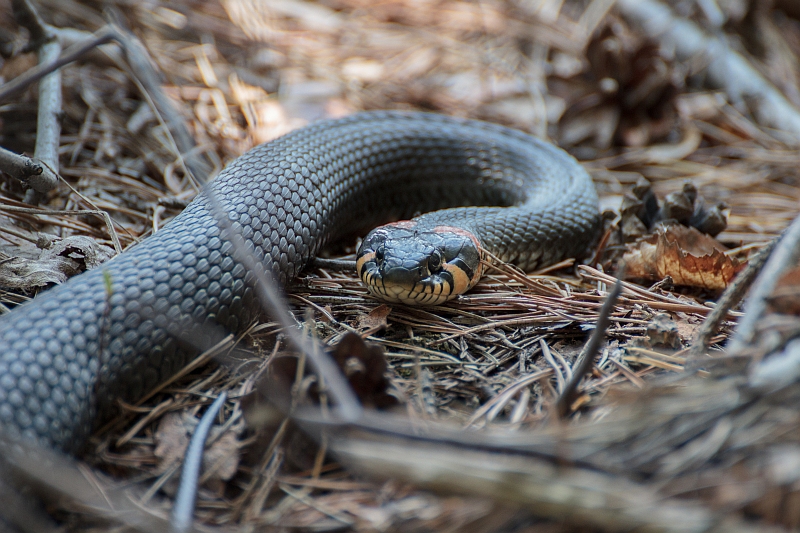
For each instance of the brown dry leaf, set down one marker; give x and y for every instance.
(223, 457)
(365, 366)
(688, 326)
(375, 319)
(172, 437)
(785, 298)
(65, 258)
(688, 256)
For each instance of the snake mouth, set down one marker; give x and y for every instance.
(399, 264)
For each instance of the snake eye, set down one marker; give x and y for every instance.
(435, 262)
(380, 252)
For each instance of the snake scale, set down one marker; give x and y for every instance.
(119, 330)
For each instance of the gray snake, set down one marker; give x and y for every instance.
(117, 331)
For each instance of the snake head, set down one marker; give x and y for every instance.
(402, 264)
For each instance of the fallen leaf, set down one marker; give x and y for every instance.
(375, 319)
(62, 260)
(683, 253)
(172, 439)
(223, 457)
(364, 365)
(663, 331)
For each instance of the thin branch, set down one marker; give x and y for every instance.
(142, 68)
(785, 253)
(73, 53)
(146, 76)
(348, 406)
(586, 359)
(726, 68)
(183, 509)
(48, 121)
(27, 170)
(48, 125)
(561, 492)
(732, 295)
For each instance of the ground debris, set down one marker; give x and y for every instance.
(676, 448)
(683, 254)
(220, 461)
(61, 260)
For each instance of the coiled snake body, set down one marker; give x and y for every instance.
(121, 329)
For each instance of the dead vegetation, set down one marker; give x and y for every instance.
(475, 443)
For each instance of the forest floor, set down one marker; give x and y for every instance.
(672, 429)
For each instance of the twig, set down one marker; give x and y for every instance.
(38, 211)
(74, 52)
(564, 492)
(130, 55)
(336, 265)
(785, 253)
(549, 471)
(732, 295)
(48, 125)
(348, 405)
(48, 122)
(27, 170)
(726, 68)
(141, 67)
(586, 358)
(183, 509)
(32, 466)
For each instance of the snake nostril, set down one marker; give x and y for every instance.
(435, 262)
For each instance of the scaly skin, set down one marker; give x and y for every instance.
(69, 354)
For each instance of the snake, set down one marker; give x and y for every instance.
(113, 333)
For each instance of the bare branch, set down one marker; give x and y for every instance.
(142, 68)
(726, 68)
(183, 509)
(33, 174)
(586, 359)
(786, 253)
(48, 126)
(74, 52)
(48, 122)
